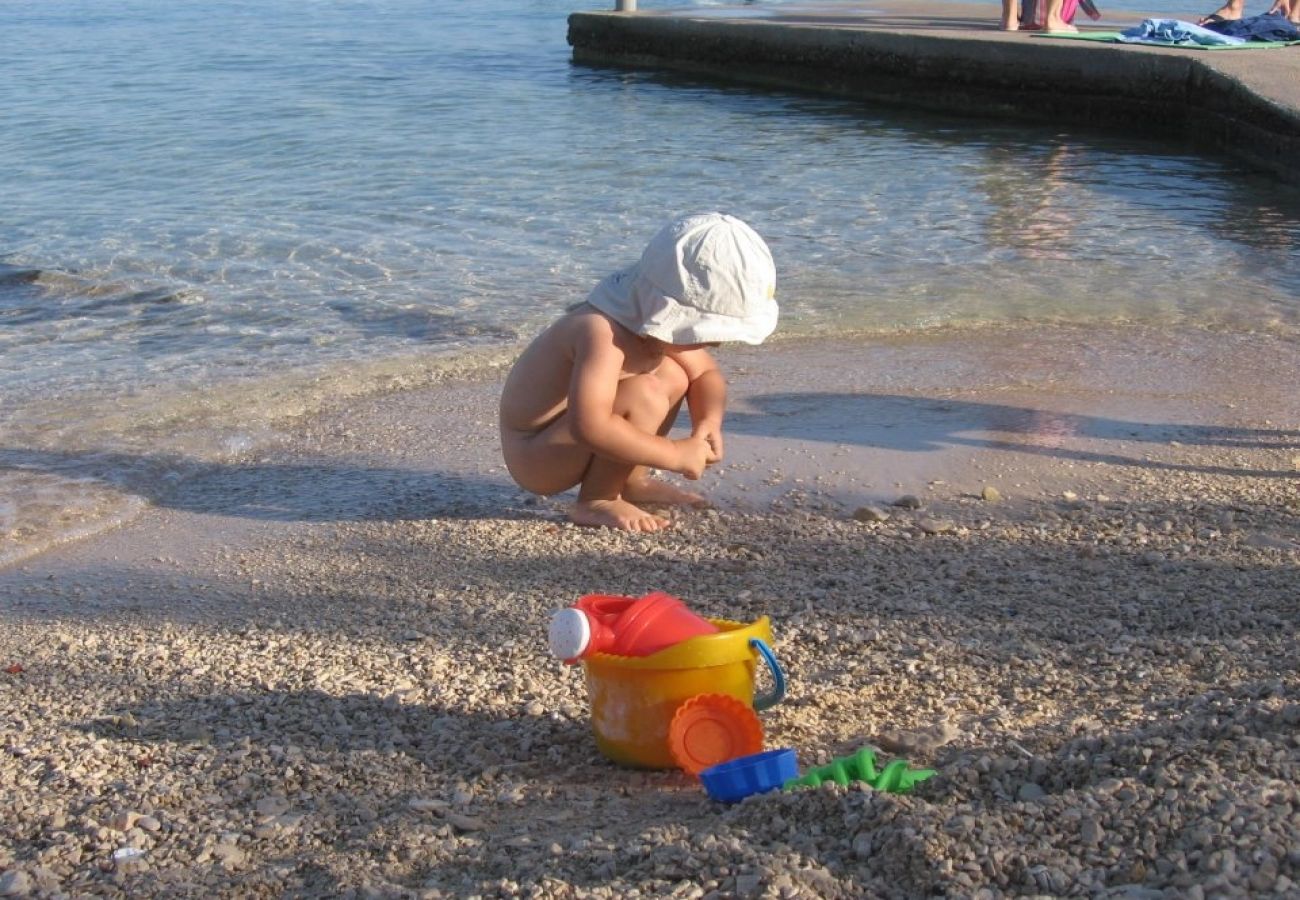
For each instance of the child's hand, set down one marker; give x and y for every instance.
(712, 434)
(693, 456)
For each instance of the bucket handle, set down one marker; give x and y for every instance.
(777, 694)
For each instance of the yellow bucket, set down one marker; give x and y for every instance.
(633, 698)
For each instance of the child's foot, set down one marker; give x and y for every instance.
(652, 490)
(615, 514)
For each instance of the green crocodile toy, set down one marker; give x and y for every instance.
(896, 777)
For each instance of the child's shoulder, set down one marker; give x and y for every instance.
(583, 321)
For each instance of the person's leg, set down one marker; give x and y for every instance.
(552, 460)
(1225, 13)
(1054, 22)
(548, 461)
(610, 489)
(640, 486)
(1010, 15)
(1290, 9)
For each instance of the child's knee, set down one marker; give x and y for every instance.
(674, 379)
(645, 395)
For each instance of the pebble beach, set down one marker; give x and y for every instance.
(1052, 564)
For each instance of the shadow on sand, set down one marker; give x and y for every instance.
(311, 491)
(924, 425)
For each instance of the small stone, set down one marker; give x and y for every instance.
(230, 856)
(272, 806)
(991, 494)
(1261, 541)
(862, 844)
(1109, 786)
(15, 883)
(921, 742)
(1029, 792)
(465, 823)
(1069, 496)
(908, 501)
(936, 526)
(748, 885)
(1091, 832)
(123, 820)
(425, 804)
(870, 514)
(148, 823)
(46, 881)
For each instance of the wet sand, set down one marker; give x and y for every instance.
(322, 671)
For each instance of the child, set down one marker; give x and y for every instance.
(592, 399)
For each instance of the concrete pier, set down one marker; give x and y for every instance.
(952, 58)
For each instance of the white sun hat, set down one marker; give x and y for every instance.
(702, 279)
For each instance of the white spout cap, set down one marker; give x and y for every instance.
(569, 634)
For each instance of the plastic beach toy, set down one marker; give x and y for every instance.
(624, 626)
(896, 777)
(754, 774)
(712, 728)
(635, 699)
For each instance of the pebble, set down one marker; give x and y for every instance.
(920, 742)
(15, 883)
(870, 513)
(1090, 832)
(1028, 792)
(465, 823)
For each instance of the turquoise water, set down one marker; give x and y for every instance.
(196, 196)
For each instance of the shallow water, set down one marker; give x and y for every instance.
(202, 203)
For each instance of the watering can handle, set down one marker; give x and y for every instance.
(767, 701)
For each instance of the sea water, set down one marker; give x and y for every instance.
(215, 216)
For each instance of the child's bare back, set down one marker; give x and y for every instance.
(592, 399)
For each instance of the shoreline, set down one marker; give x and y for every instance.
(113, 460)
(322, 670)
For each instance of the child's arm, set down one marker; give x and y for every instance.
(597, 365)
(706, 397)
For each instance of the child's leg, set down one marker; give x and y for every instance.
(552, 460)
(649, 402)
(641, 487)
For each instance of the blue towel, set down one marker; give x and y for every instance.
(1267, 27)
(1173, 31)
